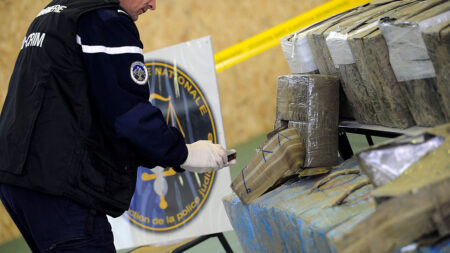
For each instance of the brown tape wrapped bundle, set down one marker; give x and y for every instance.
(362, 96)
(414, 207)
(437, 41)
(279, 157)
(311, 104)
(410, 61)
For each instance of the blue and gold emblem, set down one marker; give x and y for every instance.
(165, 200)
(139, 73)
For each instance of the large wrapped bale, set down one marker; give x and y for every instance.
(437, 41)
(414, 205)
(372, 59)
(281, 156)
(322, 57)
(410, 60)
(402, 220)
(297, 50)
(387, 161)
(305, 216)
(298, 54)
(316, 39)
(366, 104)
(311, 104)
(298, 217)
(361, 100)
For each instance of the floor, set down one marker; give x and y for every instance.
(245, 152)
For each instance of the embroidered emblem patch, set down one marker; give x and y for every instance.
(139, 73)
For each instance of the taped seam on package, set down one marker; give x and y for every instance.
(339, 49)
(438, 19)
(298, 53)
(407, 50)
(408, 53)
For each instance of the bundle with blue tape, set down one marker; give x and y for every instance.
(281, 156)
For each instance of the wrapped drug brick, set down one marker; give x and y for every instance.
(317, 44)
(297, 50)
(411, 63)
(314, 214)
(371, 55)
(409, 208)
(298, 54)
(377, 92)
(347, 109)
(311, 104)
(362, 96)
(281, 156)
(437, 41)
(387, 161)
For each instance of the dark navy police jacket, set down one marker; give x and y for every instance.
(77, 121)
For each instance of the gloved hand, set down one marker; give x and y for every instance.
(204, 156)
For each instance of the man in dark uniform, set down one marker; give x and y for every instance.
(77, 122)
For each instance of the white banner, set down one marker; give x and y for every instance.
(168, 206)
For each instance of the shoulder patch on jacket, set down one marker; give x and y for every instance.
(139, 72)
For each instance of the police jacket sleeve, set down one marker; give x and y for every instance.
(112, 50)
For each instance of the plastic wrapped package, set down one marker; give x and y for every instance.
(321, 144)
(361, 100)
(337, 213)
(281, 156)
(411, 63)
(322, 57)
(297, 50)
(385, 162)
(372, 60)
(317, 43)
(437, 41)
(362, 96)
(429, 169)
(311, 104)
(298, 54)
(412, 208)
(301, 216)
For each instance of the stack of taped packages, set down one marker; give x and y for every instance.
(411, 175)
(305, 135)
(391, 58)
(393, 197)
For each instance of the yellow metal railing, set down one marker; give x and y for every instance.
(271, 37)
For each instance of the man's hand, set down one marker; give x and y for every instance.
(204, 156)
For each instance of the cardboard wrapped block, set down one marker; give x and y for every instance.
(311, 104)
(281, 156)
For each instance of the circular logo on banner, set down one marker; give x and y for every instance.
(165, 200)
